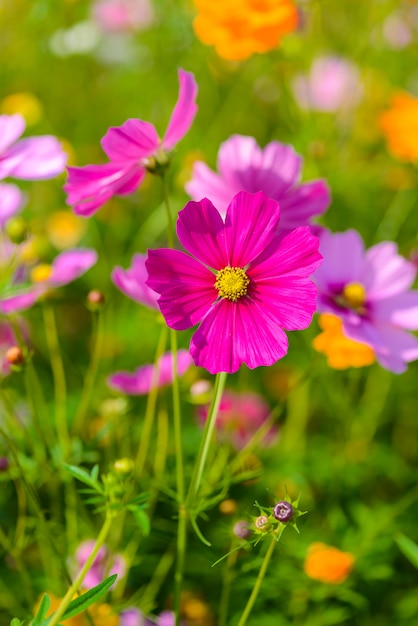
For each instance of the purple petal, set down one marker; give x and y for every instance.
(71, 264)
(187, 287)
(89, 187)
(205, 183)
(144, 379)
(131, 617)
(386, 273)
(11, 202)
(35, 158)
(184, 110)
(344, 259)
(400, 310)
(201, 230)
(233, 333)
(11, 127)
(132, 282)
(22, 301)
(132, 141)
(250, 226)
(300, 204)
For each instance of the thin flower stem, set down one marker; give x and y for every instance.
(227, 578)
(91, 373)
(258, 582)
(206, 438)
(56, 617)
(170, 225)
(151, 404)
(60, 386)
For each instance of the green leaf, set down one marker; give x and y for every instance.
(199, 532)
(142, 519)
(87, 599)
(16, 622)
(408, 547)
(84, 476)
(42, 611)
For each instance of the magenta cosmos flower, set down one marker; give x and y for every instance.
(132, 282)
(131, 149)
(275, 170)
(105, 564)
(141, 381)
(370, 291)
(65, 268)
(243, 283)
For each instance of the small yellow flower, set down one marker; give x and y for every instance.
(328, 564)
(399, 125)
(64, 229)
(241, 28)
(341, 351)
(24, 103)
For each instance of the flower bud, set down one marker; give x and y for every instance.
(4, 463)
(124, 466)
(17, 230)
(15, 356)
(262, 523)
(95, 300)
(241, 529)
(283, 511)
(228, 507)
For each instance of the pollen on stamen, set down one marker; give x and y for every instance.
(355, 295)
(232, 283)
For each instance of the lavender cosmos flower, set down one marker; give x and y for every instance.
(65, 268)
(245, 284)
(141, 381)
(105, 564)
(131, 148)
(132, 282)
(275, 170)
(134, 617)
(370, 292)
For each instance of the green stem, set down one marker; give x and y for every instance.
(60, 386)
(258, 582)
(170, 225)
(56, 617)
(226, 588)
(91, 373)
(151, 404)
(206, 438)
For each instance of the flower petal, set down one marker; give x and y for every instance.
(184, 110)
(11, 127)
(205, 183)
(400, 310)
(343, 263)
(386, 272)
(71, 264)
(235, 333)
(21, 301)
(132, 141)
(11, 202)
(35, 158)
(132, 282)
(250, 226)
(201, 231)
(300, 204)
(187, 288)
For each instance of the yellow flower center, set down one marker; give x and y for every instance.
(232, 283)
(354, 295)
(41, 273)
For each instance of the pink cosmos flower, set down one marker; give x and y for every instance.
(134, 617)
(32, 158)
(131, 148)
(105, 564)
(140, 382)
(333, 83)
(275, 170)
(123, 15)
(132, 282)
(370, 291)
(65, 268)
(245, 284)
(240, 416)
(11, 202)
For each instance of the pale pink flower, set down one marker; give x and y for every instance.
(123, 15)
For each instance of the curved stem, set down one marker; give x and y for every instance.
(79, 580)
(170, 225)
(258, 582)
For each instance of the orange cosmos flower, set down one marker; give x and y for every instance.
(328, 564)
(240, 28)
(341, 351)
(400, 126)
(100, 614)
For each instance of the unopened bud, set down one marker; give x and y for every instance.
(262, 522)
(16, 229)
(283, 511)
(241, 529)
(15, 356)
(124, 466)
(228, 507)
(95, 300)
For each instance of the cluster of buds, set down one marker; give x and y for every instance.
(273, 520)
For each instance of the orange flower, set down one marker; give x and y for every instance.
(328, 564)
(240, 28)
(341, 351)
(400, 126)
(101, 614)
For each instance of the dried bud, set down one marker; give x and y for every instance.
(15, 356)
(241, 529)
(124, 466)
(283, 511)
(95, 300)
